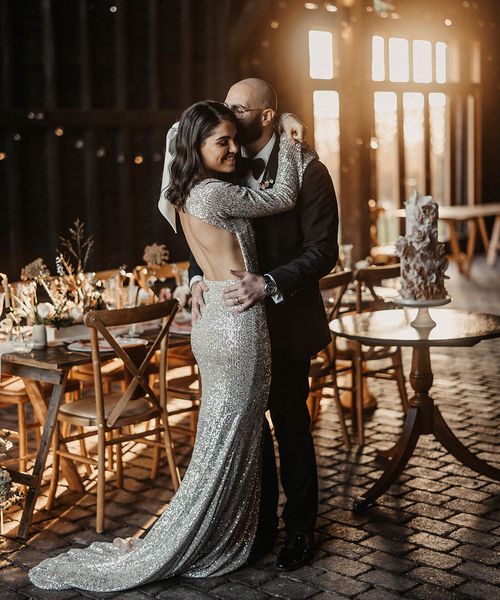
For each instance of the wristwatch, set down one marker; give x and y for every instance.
(270, 286)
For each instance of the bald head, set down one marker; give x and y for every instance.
(256, 123)
(254, 93)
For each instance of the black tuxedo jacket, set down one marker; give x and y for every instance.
(297, 248)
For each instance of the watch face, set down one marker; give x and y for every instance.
(271, 288)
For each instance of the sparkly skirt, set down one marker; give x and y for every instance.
(210, 524)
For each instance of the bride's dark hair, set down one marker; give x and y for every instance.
(196, 124)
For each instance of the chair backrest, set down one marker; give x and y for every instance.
(109, 274)
(99, 322)
(372, 276)
(169, 271)
(337, 283)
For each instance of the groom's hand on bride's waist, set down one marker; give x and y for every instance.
(248, 291)
(197, 301)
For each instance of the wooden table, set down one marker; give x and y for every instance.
(50, 365)
(474, 216)
(392, 328)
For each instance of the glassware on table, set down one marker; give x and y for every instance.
(22, 339)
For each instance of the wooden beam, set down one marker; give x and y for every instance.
(48, 55)
(401, 150)
(427, 147)
(131, 119)
(121, 57)
(154, 90)
(6, 36)
(51, 142)
(243, 31)
(85, 98)
(187, 55)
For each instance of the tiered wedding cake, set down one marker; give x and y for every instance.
(423, 262)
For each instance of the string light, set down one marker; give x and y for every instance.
(274, 24)
(79, 144)
(59, 131)
(3, 155)
(113, 8)
(17, 137)
(311, 5)
(330, 7)
(448, 22)
(120, 158)
(101, 152)
(138, 159)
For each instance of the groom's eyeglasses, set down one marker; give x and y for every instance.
(239, 110)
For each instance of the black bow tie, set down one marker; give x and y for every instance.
(256, 165)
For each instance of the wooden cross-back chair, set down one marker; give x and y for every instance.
(112, 370)
(368, 278)
(324, 367)
(185, 388)
(111, 415)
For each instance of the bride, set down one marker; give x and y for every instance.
(210, 524)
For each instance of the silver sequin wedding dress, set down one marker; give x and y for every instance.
(209, 526)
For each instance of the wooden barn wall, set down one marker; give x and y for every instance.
(88, 91)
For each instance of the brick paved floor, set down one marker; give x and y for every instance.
(435, 534)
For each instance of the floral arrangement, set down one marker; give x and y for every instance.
(156, 255)
(69, 295)
(9, 492)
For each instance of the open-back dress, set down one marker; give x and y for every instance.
(209, 526)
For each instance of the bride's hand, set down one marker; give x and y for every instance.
(197, 301)
(294, 129)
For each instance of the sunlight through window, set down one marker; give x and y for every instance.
(386, 157)
(378, 64)
(320, 55)
(422, 61)
(327, 132)
(399, 63)
(439, 149)
(441, 52)
(413, 128)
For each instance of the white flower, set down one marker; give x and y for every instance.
(6, 325)
(46, 310)
(75, 312)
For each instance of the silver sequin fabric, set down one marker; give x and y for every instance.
(209, 526)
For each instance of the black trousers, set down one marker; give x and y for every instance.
(290, 417)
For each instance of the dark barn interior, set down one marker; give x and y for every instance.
(89, 90)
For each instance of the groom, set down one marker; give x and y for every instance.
(295, 249)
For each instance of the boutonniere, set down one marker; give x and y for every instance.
(265, 183)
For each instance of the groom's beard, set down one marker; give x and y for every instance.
(249, 132)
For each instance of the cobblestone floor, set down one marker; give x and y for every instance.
(434, 535)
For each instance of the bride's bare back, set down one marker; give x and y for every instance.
(215, 249)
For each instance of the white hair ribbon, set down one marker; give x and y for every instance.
(165, 207)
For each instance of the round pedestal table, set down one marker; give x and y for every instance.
(393, 328)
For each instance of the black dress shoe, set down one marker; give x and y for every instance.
(296, 552)
(261, 546)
